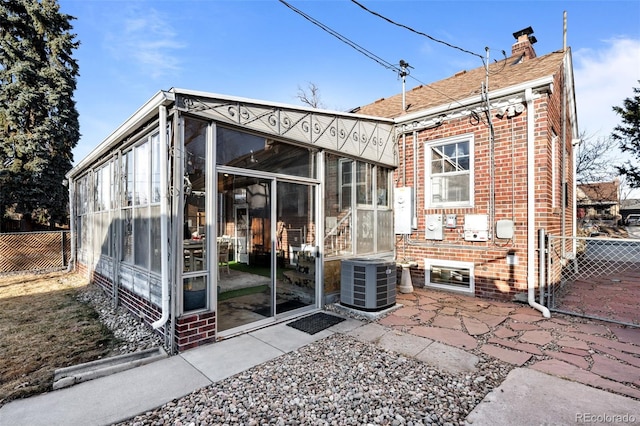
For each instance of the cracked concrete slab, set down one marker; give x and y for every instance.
(542, 399)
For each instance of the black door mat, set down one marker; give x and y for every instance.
(289, 305)
(315, 323)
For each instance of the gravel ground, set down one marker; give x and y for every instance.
(335, 381)
(134, 334)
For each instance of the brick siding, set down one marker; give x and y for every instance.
(494, 278)
(191, 330)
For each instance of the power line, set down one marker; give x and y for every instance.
(416, 31)
(399, 70)
(345, 40)
(482, 58)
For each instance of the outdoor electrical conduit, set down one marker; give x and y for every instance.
(164, 218)
(531, 207)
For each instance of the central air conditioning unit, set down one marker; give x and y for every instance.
(368, 284)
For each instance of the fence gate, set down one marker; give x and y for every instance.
(593, 277)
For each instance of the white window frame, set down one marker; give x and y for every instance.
(467, 266)
(364, 184)
(103, 212)
(343, 163)
(469, 138)
(127, 168)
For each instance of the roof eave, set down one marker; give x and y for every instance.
(573, 110)
(144, 113)
(545, 82)
(239, 99)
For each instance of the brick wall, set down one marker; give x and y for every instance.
(191, 330)
(195, 330)
(494, 278)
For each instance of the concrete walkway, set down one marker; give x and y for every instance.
(123, 395)
(602, 363)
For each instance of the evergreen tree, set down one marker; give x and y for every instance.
(38, 117)
(628, 135)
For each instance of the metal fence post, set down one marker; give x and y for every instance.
(62, 244)
(541, 263)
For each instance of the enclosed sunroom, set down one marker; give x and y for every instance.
(208, 215)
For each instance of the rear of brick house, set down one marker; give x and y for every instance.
(483, 176)
(191, 172)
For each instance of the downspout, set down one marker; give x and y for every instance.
(176, 207)
(164, 218)
(531, 207)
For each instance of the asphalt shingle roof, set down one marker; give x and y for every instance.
(600, 192)
(505, 73)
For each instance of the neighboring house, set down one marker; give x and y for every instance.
(599, 200)
(629, 206)
(208, 215)
(484, 176)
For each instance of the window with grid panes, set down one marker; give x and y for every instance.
(449, 172)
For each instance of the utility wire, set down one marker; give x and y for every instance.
(360, 49)
(427, 36)
(344, 39)
(416, 31)
(371, 55)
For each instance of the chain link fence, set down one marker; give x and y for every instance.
(34, 251)
(593, 277)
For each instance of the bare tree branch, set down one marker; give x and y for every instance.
(310, 96)
(594, 161)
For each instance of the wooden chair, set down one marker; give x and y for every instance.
(223, 256)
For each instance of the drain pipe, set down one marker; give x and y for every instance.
(531, 207)
(164, 218)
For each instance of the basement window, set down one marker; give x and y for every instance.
(449, 275)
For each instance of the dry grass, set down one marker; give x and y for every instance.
(43, 326)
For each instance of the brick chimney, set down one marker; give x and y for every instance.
(524, 44)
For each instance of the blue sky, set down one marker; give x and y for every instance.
(263, 50)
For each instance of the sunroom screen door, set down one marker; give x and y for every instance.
(296, 246)
(244, 272)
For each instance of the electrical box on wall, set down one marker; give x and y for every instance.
(451, 221)
(504, 229)
(402, 209)
(476, 227)
(434, 227)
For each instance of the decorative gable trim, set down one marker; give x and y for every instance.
(369, 139)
